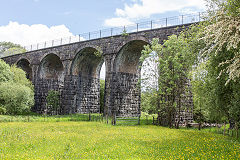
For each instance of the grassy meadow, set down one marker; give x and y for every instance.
(97, 140)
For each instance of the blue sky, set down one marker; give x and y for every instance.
(27, 22)
(80, 16)
(77, 15)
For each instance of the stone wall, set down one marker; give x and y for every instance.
(41, 87)
(125, 94)
(81, 94)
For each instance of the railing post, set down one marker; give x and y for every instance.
(199, 14)
(45, 44)
(31, 47)
(37, 46)
(79, 36)
(166, 22)
(100, 33)
(52, 42)
(137, 27)
(61, 41)
(70, 39)
(89, 36)
(151, 25)
(111, 31)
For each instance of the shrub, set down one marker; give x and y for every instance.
(53, 102)
(5, 72)
(16, 91)
(16, 98)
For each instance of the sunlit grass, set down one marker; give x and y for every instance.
(94, 140)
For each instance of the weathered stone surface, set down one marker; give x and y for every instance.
(74, 69)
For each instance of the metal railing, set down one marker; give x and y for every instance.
(136, 27)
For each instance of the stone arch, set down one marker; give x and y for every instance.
(126, 73)
(86, 63)
(24, 64)
(127, 59)
(51, 67)
(85, 81)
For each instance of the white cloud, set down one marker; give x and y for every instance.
(117, 22)
(145, 8)
(31, 34)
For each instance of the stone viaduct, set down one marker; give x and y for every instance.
(74, 70)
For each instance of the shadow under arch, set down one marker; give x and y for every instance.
(125, 86)
(85, 81)
(24, 64)
(86, 63)
(51, 67)
(50, 76)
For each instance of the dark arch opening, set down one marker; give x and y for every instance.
(127, 60)
(87, 64)
(85, 71)
(127, 71)
(51, 67)
(25, 66)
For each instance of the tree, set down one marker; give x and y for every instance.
(16, 98)
(174, 63)
(102, 88)
(9, 48)
(16, 91)
(5, 72)
(53, 101)
(222, 36)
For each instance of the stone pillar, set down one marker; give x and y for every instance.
(108, 58)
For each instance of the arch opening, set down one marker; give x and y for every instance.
(87, 64)
(127, 60)
(51, 67)
(85, 73)
(126, 75)
(25, 66)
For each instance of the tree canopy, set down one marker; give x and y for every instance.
(9, 48)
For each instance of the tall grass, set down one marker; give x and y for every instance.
(94, 140)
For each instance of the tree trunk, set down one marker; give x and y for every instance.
(236, 130)
(199, 126)
(224, 128)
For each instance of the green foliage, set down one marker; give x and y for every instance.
(9, 48)
(98, 52)
(2, 110)
(124, 33)
(5, 72)
(53, 101)
(215, 78)
(175, 59)
(102, 88)
(16, 98)
(19, 76)
(222, 36)
(16, 91)
(149, 102)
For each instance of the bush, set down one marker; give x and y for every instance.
(16, 98)
(53, 101)
(3, 110)
(5, 72)
(16, 91)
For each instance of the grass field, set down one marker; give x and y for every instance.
(95, 140)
